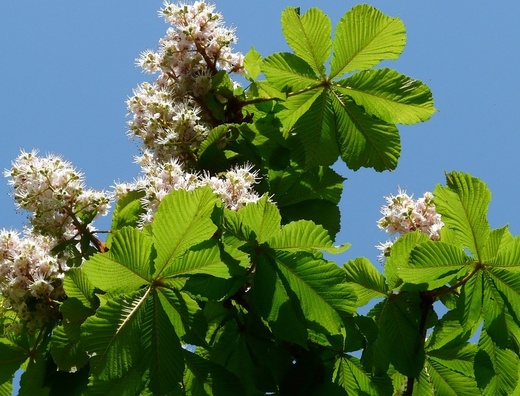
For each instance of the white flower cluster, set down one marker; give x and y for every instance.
(165, 114)
(167, 127)
(30, 278)
(235, 187)
(402, 214)
(53, 191)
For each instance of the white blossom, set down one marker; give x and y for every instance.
(402, 214)
(54, 192)
(28, 271)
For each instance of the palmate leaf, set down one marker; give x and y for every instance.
(471, 301)
(364, 141)
(434, 264)
(277, 304)
(349, 374)
(164, 352)
(366, 281)
(463, 204)
(182, 220)
(399, 254)
(313, 135)
(127, 211)
(288, 72)
(295, 107)
(11, 357)
(498, 243)
(390, 96)
(496, 369)
(126, 266)
(309, 36)
(502, 304)
(364, 37)
(399, 333)
(206, 378)
(319, 286)
(112, 337)
(305, 235)
(290, 186)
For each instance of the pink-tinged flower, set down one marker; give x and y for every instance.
(28, 271)
(402, 214)
(53, 191)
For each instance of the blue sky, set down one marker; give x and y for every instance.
(68, 67)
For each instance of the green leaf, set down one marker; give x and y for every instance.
(496, 369)
(66, 349)
(399, 254)
(434, 264)
(507, 253)
(390, 96)
(309, 36)
(364, 141)
(318, 211)
(450, 382)
(297, 106)
(112, 337)
(11, 358)
(364, 37)
(498, 242)
(502, 304)
(305, 235)
(32, 381)
(349, 374)
(319, 285)
(184, 314)
(131, 384)
(366, 281)
(313, 137)
(77, 286)
(206, 378)
(203, 258)
(252, 63)
(470, 303)
(463, 204)
(164, 351)
(127, 211)
(399, 332)
(182, 220)
(291, 186)
(276, 303)
(288, 72)
(126, 266)
(261, 218)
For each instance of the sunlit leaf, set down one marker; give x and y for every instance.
(364, 37)
(364, 141)
(349, 374)
(182, 220)
(366, 281)
(126, 266)
(309, 36)
(112, 337)
(463, 204)
(288, 72)
(433, 264)
(390, 96)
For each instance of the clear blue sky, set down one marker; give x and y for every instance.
(67, 68)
